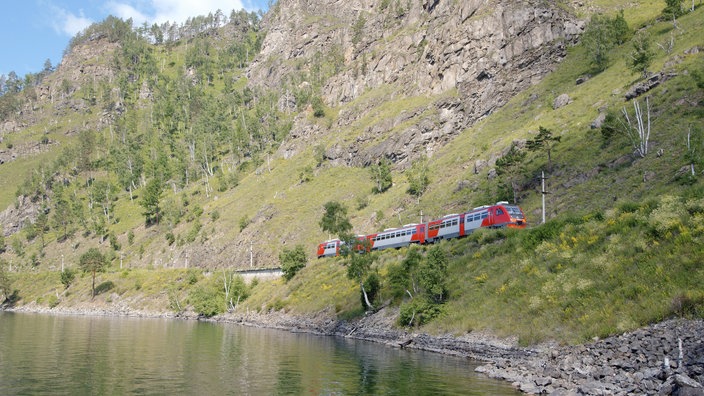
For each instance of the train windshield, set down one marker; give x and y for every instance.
(514, 211)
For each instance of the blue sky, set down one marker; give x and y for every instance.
(32, 31)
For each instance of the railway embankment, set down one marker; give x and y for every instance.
(661, 359)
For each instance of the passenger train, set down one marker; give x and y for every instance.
(450, 226)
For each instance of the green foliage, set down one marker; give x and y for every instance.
(544, 141)
(381, 176)
(418, 177)
(418, 312)
(319, 154)
(114, 244)
(18, 246)
(642, 55)
(5, 283)
(170, 238)
(372, 286)
(92, 261)
(334, 220)
(207, 299)
(67, 277)
(358, 29)
(292, 261)
(306, 174)
(610, 128)
(318, 107)
(432, 275)
(150, 201)
(673, 9)
(359, 265)
(601, 35)
(53, 301)
(244, 222)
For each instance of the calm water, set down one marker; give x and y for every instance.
(70, 355)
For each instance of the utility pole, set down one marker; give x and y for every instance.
(62, 263)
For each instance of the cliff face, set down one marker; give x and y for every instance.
(479, 53)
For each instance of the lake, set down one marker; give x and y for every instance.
(70, 355)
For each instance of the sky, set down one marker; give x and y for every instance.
(32, 31)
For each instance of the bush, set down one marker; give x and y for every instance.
(53, 301)
(418, 312)
(371, 285)
(67, 276)
(292, 261)
(244, 222)
(207, 300)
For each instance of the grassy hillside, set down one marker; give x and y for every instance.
(622, 246)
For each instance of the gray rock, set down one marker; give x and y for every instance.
(561, 101)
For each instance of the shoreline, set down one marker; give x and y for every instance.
(665, 358)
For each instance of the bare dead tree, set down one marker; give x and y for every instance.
(638, 131)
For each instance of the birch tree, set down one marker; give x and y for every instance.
(638, 130)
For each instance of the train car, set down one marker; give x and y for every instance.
(329, 248)
(450, 226)
(505, 215)
(398, 237)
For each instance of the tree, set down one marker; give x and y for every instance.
(334, 220)
(63, 216)
(603, 34)
(92, 261)
(5, 283)
(433, 274)
(642, 54)
(510, 165)
(403, 276)
(418, 177)
(150, 201)
(673, 9)
(381, 175)
(292, 260)
(638, 130)
(359, 264)
(544, 141)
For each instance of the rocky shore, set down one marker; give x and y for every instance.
(661, 359)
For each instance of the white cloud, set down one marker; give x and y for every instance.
(126, 11)
(161, 11)
(69, 23)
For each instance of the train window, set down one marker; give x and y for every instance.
(499, 212)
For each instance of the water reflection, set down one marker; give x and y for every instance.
(43, 354)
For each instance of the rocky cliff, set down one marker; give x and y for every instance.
(469, 57)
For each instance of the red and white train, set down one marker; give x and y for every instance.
(450, 226)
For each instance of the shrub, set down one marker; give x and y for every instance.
(418, 312)
(292, 261)
(207, 300)
(371, 285)
(244, 222)
(67, 276)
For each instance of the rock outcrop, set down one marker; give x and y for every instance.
(481, 52)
